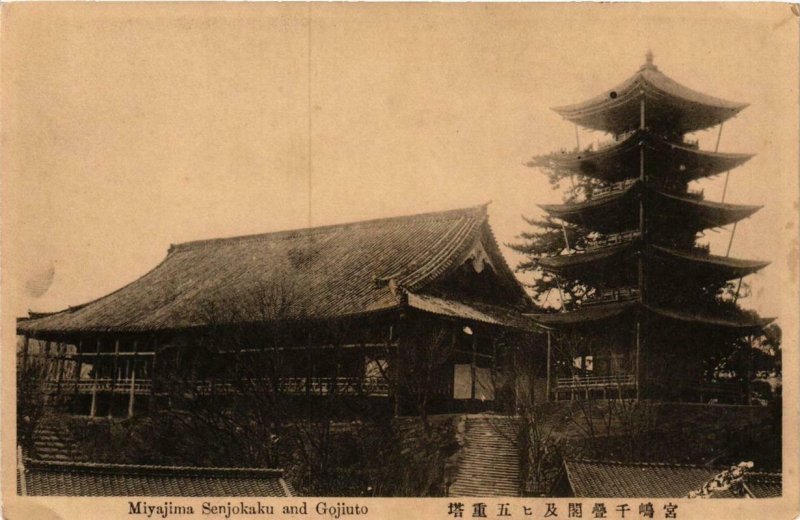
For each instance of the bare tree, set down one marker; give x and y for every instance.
(31, 396)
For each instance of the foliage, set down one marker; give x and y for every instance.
(731, 479)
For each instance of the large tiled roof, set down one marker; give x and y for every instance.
(323, 272)
(764, 485)
(52, 478)
(592, 478)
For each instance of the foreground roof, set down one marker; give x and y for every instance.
(593, 478)
(617, 109)
(472, 311)
(325, 272)
(51, 478)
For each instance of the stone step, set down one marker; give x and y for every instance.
(483, 471)
(483, 463)
(52, 440)
(489, 462)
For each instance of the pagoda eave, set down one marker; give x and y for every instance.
(710, 266)
(733, 323)
(590, 315)
(702, 214)
(594, 264)
(615, 212)
(584, 316)
(617, 110)
(620, 160)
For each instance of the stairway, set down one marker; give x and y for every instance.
(53, 441)
(489, 462)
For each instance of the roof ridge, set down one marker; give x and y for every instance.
(763, 475)
(643, 463)
(310, 231)
(42, 463)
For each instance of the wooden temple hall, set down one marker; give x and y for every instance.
(652, 323)
(385, 309)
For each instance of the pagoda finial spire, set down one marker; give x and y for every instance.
(648, 57)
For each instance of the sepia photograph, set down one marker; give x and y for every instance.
(512, 258)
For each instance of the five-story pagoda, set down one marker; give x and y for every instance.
(656, 313)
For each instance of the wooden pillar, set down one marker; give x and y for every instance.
(132, 395)
(749, 370)
(642, 251)
(61, 359)
(642, 225)
(47, 361)
(738, 288)
(494, 372)
(641, 114)
(93, 410)
(472, 367)
(25, 346)
(730, 242)
(47, 369)
(113, 378)
(561, 295)
(719, 136)
(151, 404)
(78, 364)
(494, 357)
(638, 358)
(309, 369)
(548, 385)
(398, 373)
(60, 362)
(21, 471)
(727, 173)
(451, 387)
(725, 186)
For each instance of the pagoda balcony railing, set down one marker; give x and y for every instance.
(608, 143)
(582, 382)
(718, 391)
(88, 386)
(611, 189)
(613, 295)
(602, 145)
(589, 385)
(612, 239)
(695, 194)
(374, 386)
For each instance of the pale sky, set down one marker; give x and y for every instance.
(128, 128)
